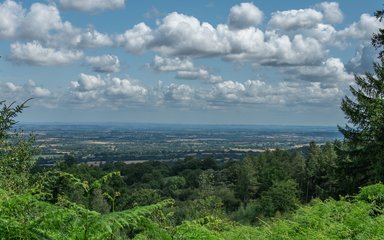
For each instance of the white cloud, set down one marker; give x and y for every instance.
(330, 73)
(363, 29)
(126, 88)
(281, 50)
(94, 90)
(229, 90)
(35, 54)
(43, 22)
(193, 74)
(137, 39)
(240, 41)
(90, 38)
(363, 60)
(184, 69)
(331, 11)
(295, 19)
(12, 87)
(244, 15)
(282, 94)
(104, 63)
(164, 64)
(19, 93)
(323, 33)
(72, 37)
(40, 20)
(11, 16)
(183, 37)
(92, 5)
(181, 94)
(41, 92)
(37, 23)
(87, 83)
(199, 73)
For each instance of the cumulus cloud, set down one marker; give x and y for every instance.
(43, 22)
(87, 83)
(184, 69)
(92, 5)
(295, 19)
(40, 20)
(107, 90)
(126, 88)
(36, 23)
(281, 50)
(11, 16)
(11, 87)
(199, 73)
(37, 91)
(182, 36)
(363, 29)
(282, 94)
(19, 92)
(181, 94)
(71, 37)
(104, 63)
(35, 54)
(244, 15)
(164, 64)
(137, 39)
(363, 59)
(330, 73)
(331, 11)
(90, 38)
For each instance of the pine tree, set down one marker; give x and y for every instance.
(364, 135)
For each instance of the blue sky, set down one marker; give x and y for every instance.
(216, 62)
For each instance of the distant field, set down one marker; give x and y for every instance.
(141, 142)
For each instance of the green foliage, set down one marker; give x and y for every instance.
(378, 38)
(280, 198)
(247, 183)
(365, 113)
(8, 113)
(26, 217)
(16, 151)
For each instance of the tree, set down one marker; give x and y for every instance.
(247, 183)
(364, 135)
(16, 150)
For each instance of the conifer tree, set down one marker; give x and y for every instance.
(364, 135)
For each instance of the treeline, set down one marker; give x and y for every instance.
(260, 186)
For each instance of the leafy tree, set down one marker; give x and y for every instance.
(247, 183)
(364, 135)
(280, 198)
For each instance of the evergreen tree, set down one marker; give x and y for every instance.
(364, 135)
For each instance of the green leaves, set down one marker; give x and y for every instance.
(16, 150)
(25, 217)
(8, 113)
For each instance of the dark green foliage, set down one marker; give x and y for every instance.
(246, 180)
(281, 197)
(364, 136)
(378, 38)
